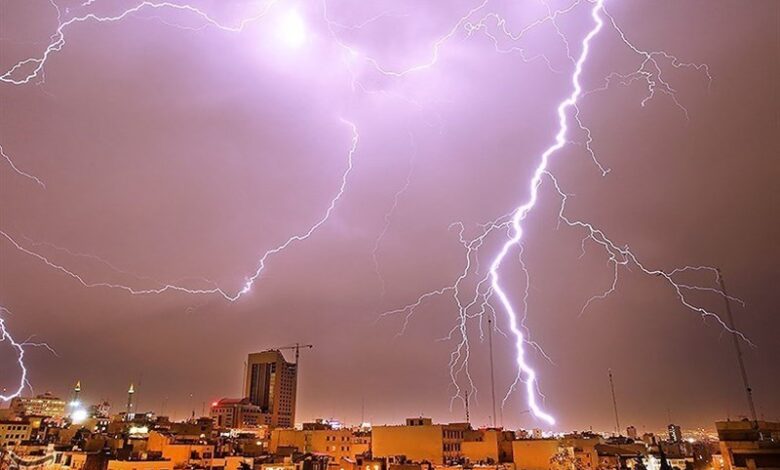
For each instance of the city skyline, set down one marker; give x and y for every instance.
(183, 185)
(192, 408)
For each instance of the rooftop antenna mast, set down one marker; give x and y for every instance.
(614, 403)
(468, 418)
(492, 373)
(738, 349)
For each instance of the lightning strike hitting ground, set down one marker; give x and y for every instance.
(529, 374)
(488, 286)
(505, 232)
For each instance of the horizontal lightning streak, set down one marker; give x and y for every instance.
(216, 290)
(58, 38)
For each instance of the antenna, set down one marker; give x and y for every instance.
(245, 378)
(468, 419)
(614, 403)
(492, 373)
(738, 349)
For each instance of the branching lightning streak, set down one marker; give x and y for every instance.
(389, 216)
(19, 347)
(623, 256)
(58, 38)
(19, 171)
(216, 290)
(522, 211)
(488, 287)
(102, 261)
(318, 224)
(649, 71)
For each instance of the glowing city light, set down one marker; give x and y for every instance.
(79, 415)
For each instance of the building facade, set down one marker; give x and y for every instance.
(419, 441)
(749, 445)
(40, 405)
(13, 433)
(238, 413)
(271, 384)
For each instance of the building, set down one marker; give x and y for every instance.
(238, 413)
(749, 445)
(320, 438)
(180, 452)
(271, 384)
(536, 454)
(14, 432)
(147, 464)
(39, 405)
(581, 451)
(419, 441)
(631, 432)
(675, 433)
(487, 446)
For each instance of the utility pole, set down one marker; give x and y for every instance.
(614, 403)
(738, 349)
(492, 373)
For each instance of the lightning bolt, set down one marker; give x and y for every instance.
(489, 293)
(389, 216)
(489, 286)
(521, 212)
(19, 171)
(232, 297)
(16, 75)
(19, 348)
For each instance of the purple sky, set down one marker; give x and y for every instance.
(178, 153)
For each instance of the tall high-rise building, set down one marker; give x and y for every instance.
(631, 432)
(271, 383)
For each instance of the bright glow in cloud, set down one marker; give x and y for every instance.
(291, 30)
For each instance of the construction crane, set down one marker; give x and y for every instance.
(297, 347)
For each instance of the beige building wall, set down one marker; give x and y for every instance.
(417, 443)
(585, 451)
(534, 454)
(482, 450)
(139, 465)
(287, 438)
(336, 443)
(156, 442)
(182, 454)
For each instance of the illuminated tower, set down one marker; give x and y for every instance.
(130, 393)
(77, 391)
(271, 383)
(675, 433)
